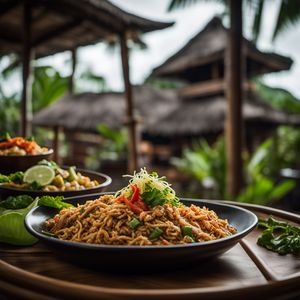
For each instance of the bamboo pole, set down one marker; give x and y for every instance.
(130, 120)
(26, 109)
(234, 100)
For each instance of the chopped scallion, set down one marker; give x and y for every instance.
(134, 223)
(48, 233)
(157, 232)
(187, 231)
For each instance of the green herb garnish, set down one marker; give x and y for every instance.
(156, 233)
(186, 230)
(154, 190)
(4, 178)
(134, 223)
(17, 202)
(35, 186)
(55, 202)
(280, 237)
(30, 138)
(82, 210)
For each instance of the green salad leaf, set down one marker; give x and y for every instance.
(280, 237)
(12, 214)
(55, 202)
(12, 229)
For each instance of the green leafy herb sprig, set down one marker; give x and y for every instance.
(14, 177)
(280, 237)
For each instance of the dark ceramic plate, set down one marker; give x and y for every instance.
(103, 179)
(13, 163)
(143, 257)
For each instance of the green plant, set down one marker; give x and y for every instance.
(277, 97)
(48, 86)
(207, 164)
(88, 81)
(113, 146)
(9, 114)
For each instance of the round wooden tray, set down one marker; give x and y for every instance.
(246, 271)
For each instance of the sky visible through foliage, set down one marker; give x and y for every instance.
(162, 44)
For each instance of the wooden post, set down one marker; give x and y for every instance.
(56, 131)
(130, 120)
(26, 113)
(233, 62)
(215, 73)
(74, 62)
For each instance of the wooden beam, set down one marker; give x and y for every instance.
(204, 88)
(26, 58)
(208, 88)
(56, 32)
(73, 68)
(8, 35)
(264, 59)
(130, 120)
(8, 6)
(215, 72)
(233, 65)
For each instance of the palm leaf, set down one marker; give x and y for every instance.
(289, 14)
(257, 19)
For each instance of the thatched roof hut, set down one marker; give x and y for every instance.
(85, 111)
(59, 25)
(163, 112)
(203, 57)
(194, 117)
(52, 26)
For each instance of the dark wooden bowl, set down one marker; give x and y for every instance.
(103, 179)
(14, 163)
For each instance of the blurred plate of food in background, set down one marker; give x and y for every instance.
(47, 178)
(18, 154)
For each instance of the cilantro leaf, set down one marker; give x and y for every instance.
(17, 202)
(280, 237)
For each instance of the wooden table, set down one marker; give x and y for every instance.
(247, 271)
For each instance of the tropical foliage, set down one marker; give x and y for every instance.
(289, 13)
(113, 146)
(48, 86)
(207, 165)
(277, 97)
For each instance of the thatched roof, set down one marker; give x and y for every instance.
(163, 112)
(206, 116)
(59, 25)
(84, 111)
(193, 62)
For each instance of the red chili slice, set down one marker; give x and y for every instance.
(136, 193)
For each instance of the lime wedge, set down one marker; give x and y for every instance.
(42, 175)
